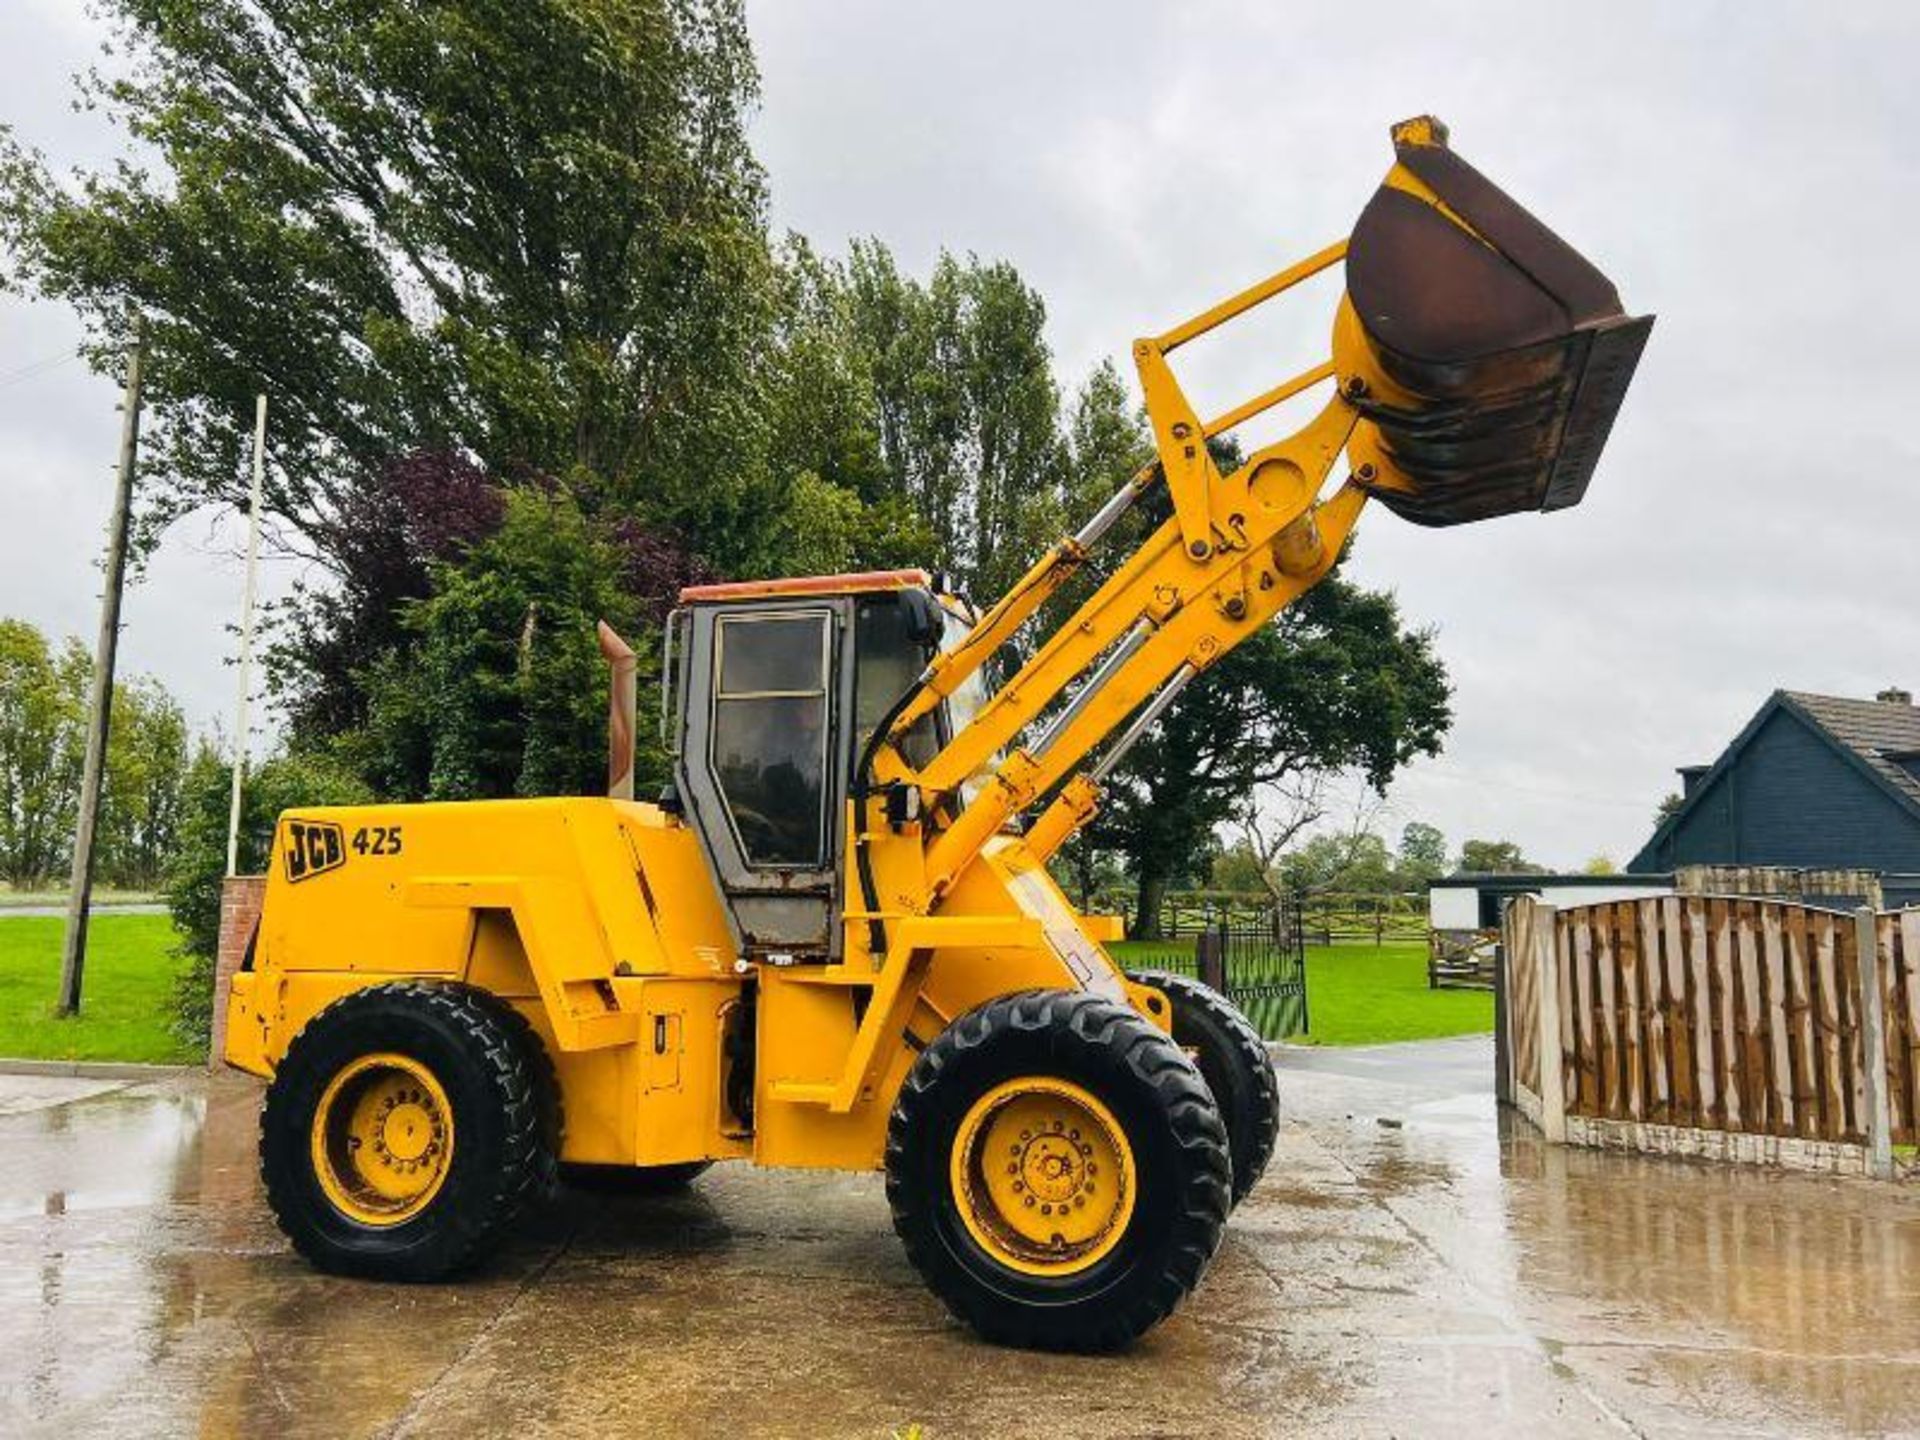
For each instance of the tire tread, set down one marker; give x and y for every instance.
(1259, 1126)
(510, 1053)
(1131, 1042)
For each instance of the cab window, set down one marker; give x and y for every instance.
(887, 660)
(770, 734)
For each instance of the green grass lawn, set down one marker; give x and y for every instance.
(1369, 995)
(126, 999)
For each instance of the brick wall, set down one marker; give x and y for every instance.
(240, 897)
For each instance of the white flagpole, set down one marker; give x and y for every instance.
(246, 634)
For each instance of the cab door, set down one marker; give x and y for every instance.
(760, 770)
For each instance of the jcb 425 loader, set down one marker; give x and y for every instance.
(835, 942)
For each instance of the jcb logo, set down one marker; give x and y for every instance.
(313, 848)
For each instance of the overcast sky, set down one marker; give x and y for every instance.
(1747, 172)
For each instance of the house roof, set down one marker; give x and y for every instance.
(1505, 883)
(1874, 730)
(1868, 734)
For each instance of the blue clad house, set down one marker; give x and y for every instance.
(1814, 781)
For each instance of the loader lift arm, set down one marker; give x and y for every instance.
(1478, 362)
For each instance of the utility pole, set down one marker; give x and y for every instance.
(246, 635)
(73, 957)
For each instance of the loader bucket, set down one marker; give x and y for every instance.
(1494, 355)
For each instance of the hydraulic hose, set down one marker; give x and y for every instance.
(862, 791)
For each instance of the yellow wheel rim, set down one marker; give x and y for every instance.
(382, 1139)
(1043, 1176)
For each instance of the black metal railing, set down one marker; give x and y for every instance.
(1253, 953)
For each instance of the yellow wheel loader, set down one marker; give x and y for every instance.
(834, 942)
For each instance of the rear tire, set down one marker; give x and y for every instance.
(408, 1125)
(1135, 1133)
(1233, 1060)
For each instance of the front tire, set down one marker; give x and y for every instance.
(1057, 1171)
(1234, 1062)
(406, 1128)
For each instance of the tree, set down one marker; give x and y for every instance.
(1494, 857)
(1237, 870)
(1091, 875)
(1336, 683)
(467, 248)
(43, 699)
(1600, 865)
(413, 513)
(1356, 864)
(198, 864)
(42, 747)
(1423, 855)
(502, 690)
(144, 789)
(527, 234)
(965, 406)
(1277, 812)
(1668, 807)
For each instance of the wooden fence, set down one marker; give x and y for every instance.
(1325, 918)
(1655, 1022)
(1463, 959)
(1335, 919)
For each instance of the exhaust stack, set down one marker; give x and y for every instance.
(622, 710)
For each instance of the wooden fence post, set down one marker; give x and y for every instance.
(1873, 1046)
(1553, 1088)
(1502, 1022)
(1210, 956)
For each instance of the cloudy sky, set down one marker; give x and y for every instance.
(1747, 172)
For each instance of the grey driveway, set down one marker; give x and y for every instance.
(1435, 1274)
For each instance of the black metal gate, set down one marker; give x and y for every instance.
(1255, 955)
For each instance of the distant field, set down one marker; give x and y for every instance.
(12, 899)
(126, 994)
(1370, 995)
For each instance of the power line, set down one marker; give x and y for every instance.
(37, 367)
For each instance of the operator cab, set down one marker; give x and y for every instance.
(773, 689)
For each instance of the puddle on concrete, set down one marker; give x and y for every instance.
(139, 1149)
(1723, 1282)
(1392, 1173)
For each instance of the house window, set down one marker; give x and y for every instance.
(770, 734)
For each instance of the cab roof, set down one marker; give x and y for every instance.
(859, 583)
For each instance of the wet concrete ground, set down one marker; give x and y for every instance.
(1441, 1275)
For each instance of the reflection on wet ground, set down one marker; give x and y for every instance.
(1442, 1273)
